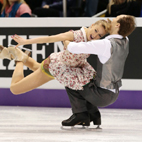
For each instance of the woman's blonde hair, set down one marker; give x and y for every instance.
(6, 3)
(105, 24)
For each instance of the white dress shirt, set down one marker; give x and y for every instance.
(101, 48)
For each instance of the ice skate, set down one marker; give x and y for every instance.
(95, 117)
(13, 53)
(76, 119)
(5, 54)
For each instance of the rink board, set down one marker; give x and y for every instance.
(131, 90)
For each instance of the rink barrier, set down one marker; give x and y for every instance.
(59, 98)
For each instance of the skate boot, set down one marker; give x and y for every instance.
(77, 119)
(18, 54)
(95, 117)
(13, 53)
(5, 54)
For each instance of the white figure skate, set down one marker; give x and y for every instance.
(13, 53)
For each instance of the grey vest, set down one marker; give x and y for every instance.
(109, 74)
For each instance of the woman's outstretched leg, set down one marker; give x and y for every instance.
(32, 64)
(21, 84)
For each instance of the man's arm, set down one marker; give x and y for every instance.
(97, 47)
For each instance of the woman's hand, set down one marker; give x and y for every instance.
(19, 40)
(66, 42)
(46, 6)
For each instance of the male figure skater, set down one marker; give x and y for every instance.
(103, 90)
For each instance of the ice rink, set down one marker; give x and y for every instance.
(43, 124)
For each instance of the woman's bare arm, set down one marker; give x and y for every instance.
(45, 39)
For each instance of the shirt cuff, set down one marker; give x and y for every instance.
(69, 47)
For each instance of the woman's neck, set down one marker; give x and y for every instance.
(86, 30)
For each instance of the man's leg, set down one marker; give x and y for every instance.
(94, 113)
(98, 96)
(79, 105)
(80, 114)
(92, 94)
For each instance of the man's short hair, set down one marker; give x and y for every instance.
(127, 25)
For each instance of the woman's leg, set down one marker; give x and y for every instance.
(32, 64)
(21, 85)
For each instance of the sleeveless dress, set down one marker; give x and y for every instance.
(71, 70)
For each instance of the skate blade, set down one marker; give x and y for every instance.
(83, 128)
(25, 49)
(22, 48)
(73, 128)
(97, 129)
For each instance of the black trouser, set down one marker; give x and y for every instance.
(90, 98)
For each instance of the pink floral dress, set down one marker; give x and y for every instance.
(72, 70)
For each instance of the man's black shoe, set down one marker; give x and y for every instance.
(76, 119)
(95, 117)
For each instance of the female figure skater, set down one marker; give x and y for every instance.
(71, 70)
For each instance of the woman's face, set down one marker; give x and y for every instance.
(95, 32)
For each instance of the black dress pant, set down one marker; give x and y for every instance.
(90, 98)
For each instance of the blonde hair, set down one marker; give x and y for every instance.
(105, 24)
(116, 2)
(6, 3)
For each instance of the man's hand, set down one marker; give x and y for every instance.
(66, 42)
